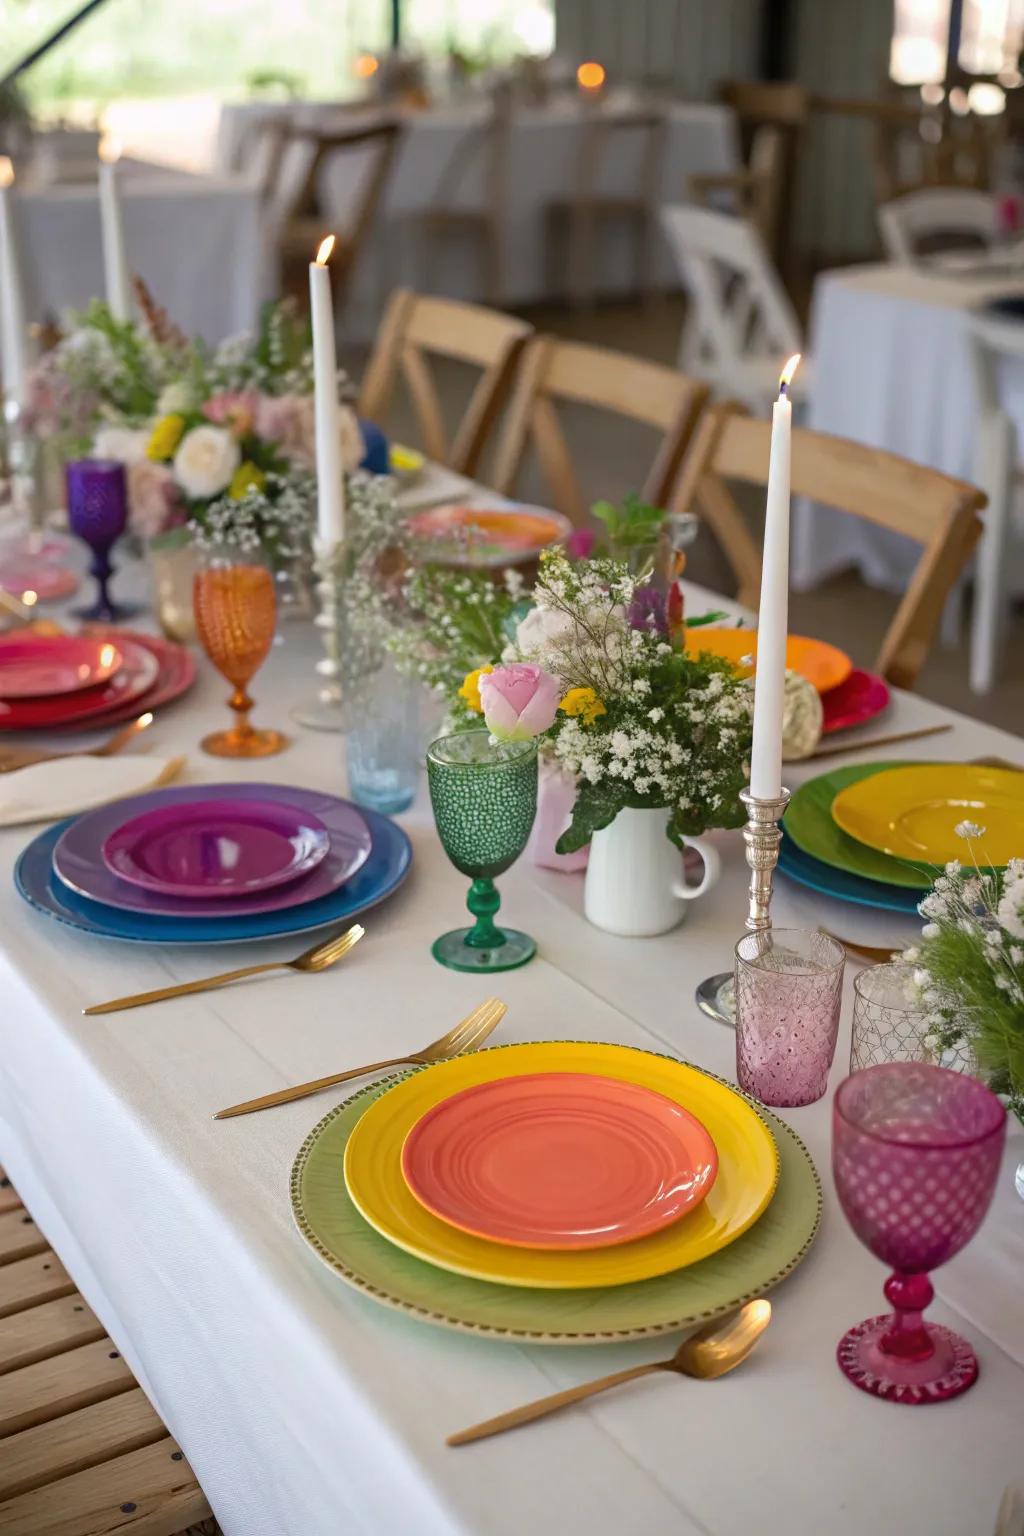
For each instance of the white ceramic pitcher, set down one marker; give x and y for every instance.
(634, 883)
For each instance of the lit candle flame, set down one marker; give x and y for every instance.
(786, 376)
(323, 255)
(110, 149)
(591, 75)
(6, 171)
(366, 66)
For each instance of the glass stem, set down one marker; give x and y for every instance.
(907, 1337)
(241, 703)
(483, 901)
(101, 568)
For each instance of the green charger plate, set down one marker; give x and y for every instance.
(808, 821)
(758, 1260)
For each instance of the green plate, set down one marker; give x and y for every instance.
(758, 1260)
(808, 821)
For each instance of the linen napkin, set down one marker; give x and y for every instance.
(48, 791)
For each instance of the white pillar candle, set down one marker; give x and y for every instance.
(330, 479)
(13, 332)
(115, 258)
(773, 613)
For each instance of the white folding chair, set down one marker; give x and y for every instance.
(1000, 559)
(741, 325)
(922, 222)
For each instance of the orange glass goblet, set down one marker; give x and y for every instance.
(235, 614)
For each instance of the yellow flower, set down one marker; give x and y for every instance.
(165, 437)
(583, 702)
(470, 690)
(245, 478)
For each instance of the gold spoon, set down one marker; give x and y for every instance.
(712, 1351)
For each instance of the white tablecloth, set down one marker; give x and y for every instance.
(197, 242)
(307, 1410)
(543, 156)
(891, 369)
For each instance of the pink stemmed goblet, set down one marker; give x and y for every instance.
(916, 1151)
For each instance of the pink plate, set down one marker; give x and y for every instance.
(46, 666)
(49, 582)
(863, 696)
(559, 1160)
(90, 706)
(176, 674)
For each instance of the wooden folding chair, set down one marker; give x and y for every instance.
(416, 324)
(932, 509)
(553, 371)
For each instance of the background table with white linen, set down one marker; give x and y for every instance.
(892, 369)
(198, 242)
(543, 156)
(308, 1410)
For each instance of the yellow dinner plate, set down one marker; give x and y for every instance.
(748, 1169)
(913, 813)
(823, 665)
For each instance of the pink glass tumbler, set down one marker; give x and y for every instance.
(789, 984)
(916, 1151)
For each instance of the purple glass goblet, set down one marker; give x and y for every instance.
(98, 514)
(916, 1151)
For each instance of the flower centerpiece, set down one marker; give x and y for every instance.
(199, 430)
(970, 966)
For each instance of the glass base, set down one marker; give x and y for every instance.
(320, 714)
(949, 1370)
(234, 743)
(452, 950)
(717, 998)
(387, 792)
(107, 613)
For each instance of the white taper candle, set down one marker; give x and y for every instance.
(13, 332)
(115, 257)
(330, 479)
(773, 613)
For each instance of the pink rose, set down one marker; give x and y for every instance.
(234, 409)
(519, 701)
(289, 421)
(153, 498)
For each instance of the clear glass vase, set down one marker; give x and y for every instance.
(385, 738)
(172, 567)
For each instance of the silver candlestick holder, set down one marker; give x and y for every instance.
(325, 711)
(762, 836)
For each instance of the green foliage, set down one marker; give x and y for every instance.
(633, 525)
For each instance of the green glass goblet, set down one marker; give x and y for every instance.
(484, 795)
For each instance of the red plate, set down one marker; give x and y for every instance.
(563, 1160)
(177, 672)
(47, 666)
(138, 673)
(860, 698)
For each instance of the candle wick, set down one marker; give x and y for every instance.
(783, 389)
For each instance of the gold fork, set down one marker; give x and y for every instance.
(473, 1031)
(322, 955)
(16, 757)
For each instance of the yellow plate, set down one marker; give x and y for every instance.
(748, 1169)
(912, 813)
(823, 665)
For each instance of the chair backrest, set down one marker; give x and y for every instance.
(740, 311)
(481, 156)
(415, 325)
(922, 222)
(932, 509)
(555, 371)
(610, 133)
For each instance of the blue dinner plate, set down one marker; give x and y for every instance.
(382, 873)
(809, 871)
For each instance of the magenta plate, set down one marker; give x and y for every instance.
(177, 673)
(138, 673)
(216, 848)
(49, 582)
(78, 855)
(860, 698)
(50, 666)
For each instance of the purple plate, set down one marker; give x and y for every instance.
(78, 855)
(216, 848)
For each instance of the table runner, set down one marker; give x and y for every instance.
(305, 1409)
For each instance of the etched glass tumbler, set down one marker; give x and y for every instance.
(789, 985)
(916, 1151)
(233, 599)
(484, 796)
(891, 1023)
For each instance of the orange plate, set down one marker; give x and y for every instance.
(823, 665)
(459, 534)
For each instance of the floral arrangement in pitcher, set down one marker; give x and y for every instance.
(198, 430)
(970, 965)
(591, 662)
